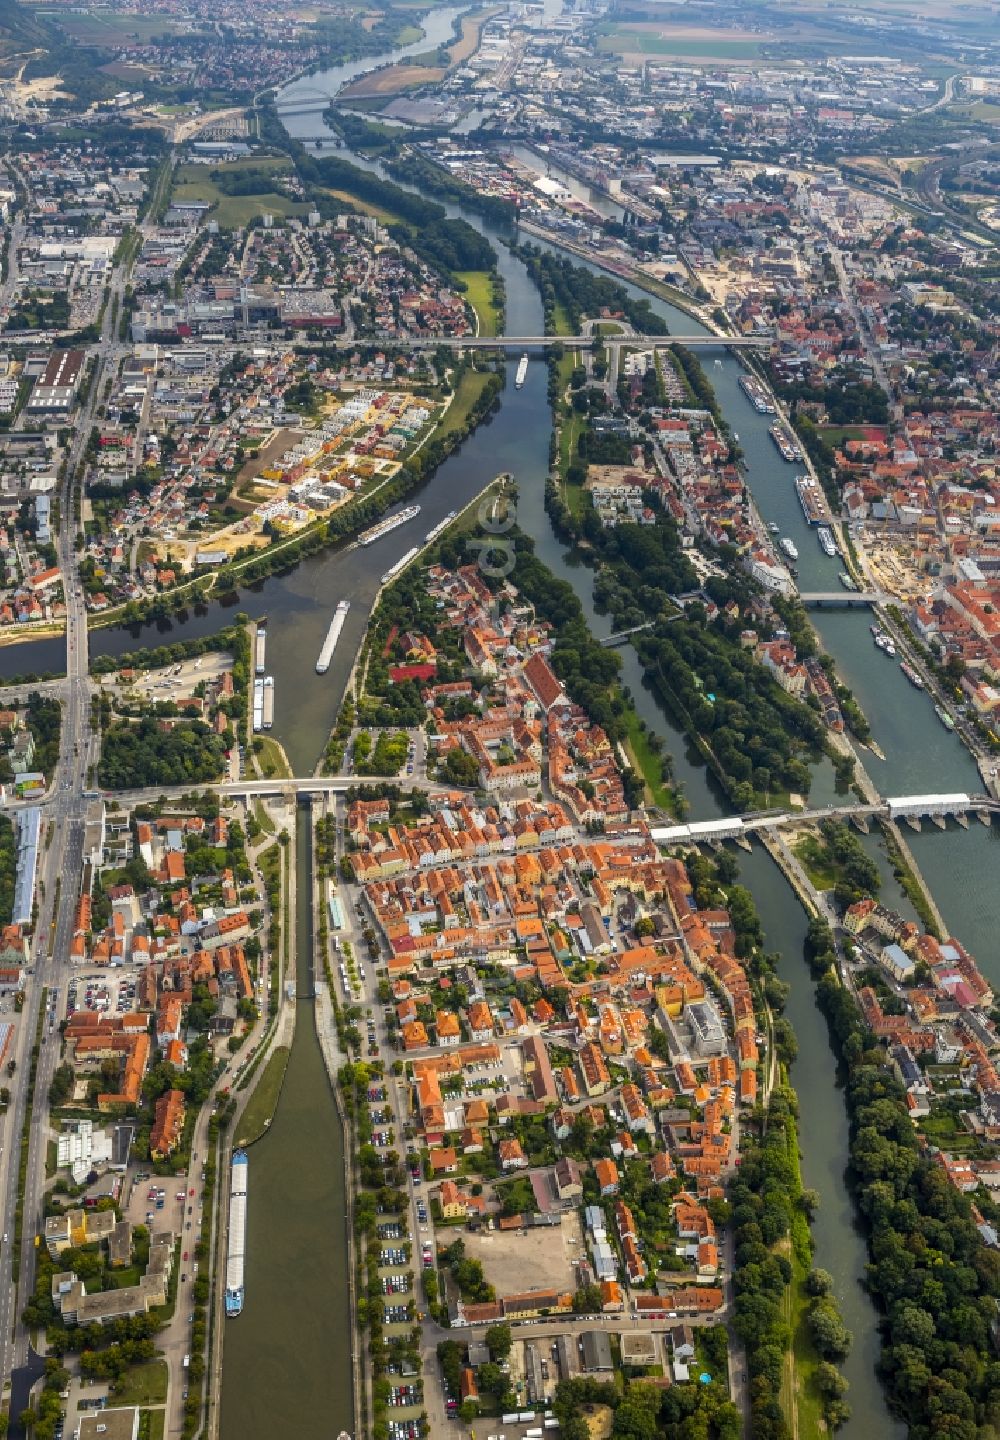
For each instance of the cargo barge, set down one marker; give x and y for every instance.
(237, 1233)
(263, 703)
(332, 636)
(260, 646)
(386, 526)
(522, 372)
(400, 565)
(442, 525)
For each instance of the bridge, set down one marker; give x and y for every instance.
(535, 342)
(621, 636)
(911, 808)
(309, 107)
(829, 599)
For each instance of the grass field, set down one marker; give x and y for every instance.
(561, 321)
(144, 1384)
(151, 1424)
(264, 1100)
(640, 39)
(271, 758)
(470, 387)
(364, 207)
(811, 855)
(799, 1384)
(194, 182)
(838, 434)
(263, 818)
(479, 293)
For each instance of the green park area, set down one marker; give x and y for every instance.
(264, 1100)
(144, 1384)
(271, 758)
(216, 184)
(471, 385)
(648, 760)
(479, 293)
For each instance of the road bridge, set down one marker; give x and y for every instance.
(828, 599)
(534, 342)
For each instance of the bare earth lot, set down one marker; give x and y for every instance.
(536, 1260)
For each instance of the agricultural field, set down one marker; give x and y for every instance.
(691, 42)
(104, 28)
(421, 70)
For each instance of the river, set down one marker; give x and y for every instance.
(288, 1355)
(525, 415)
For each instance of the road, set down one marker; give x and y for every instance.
(868, 344)
(60, 861)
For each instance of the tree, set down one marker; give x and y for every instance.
(829, 1381)
(830, 1335)
(499, 1341)
(819, 1282)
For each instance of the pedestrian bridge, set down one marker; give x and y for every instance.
(620, 636)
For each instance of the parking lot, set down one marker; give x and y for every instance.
(107, 993)
(174, 682)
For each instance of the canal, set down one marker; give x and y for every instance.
(288, 1356)
(287, 1359)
